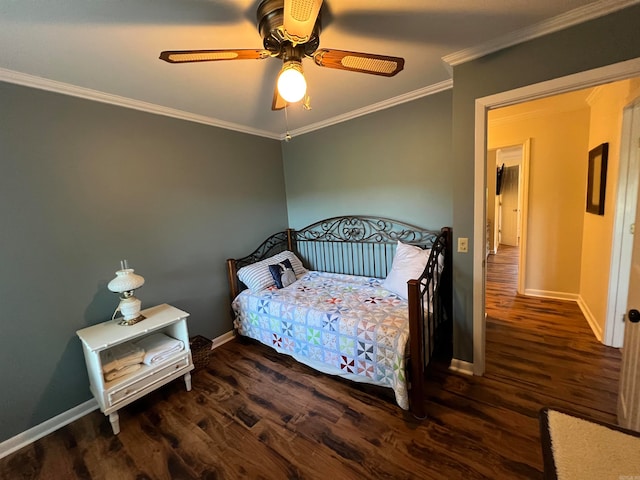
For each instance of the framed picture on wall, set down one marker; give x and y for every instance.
(597, 179)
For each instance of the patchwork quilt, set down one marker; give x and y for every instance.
(348, 323)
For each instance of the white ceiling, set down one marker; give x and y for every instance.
(108, 50)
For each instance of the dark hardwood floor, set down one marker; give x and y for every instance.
(255, 414)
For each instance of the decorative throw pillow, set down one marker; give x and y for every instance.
(408, 263)
(257, 276)
(283, 273)
(296, 263)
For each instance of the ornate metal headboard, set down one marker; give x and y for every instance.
(356, 245)
(276, 243)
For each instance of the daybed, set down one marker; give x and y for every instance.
(374, 306)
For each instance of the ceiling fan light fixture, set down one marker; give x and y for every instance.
(292, 85)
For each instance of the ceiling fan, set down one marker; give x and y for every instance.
(291, 31)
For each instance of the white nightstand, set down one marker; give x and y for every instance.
(113, 395)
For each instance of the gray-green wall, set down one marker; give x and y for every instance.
(604, 41)
(84, 185)
(196, 195)
(394, 163)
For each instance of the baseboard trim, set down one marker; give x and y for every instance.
(49, 426)
(591, 319)
(461, 366)
(222, 339)
(45, 428)
(573, 297)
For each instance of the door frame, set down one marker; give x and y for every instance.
(577, 81)
(523, 205)
(513, 229)
(625, 217)
(628, 405)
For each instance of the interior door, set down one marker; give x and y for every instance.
(510, 208)
(629, 393)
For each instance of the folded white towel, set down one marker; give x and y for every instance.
(112, 375)
(158, 347)
(121, 356)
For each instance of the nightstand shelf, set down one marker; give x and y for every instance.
(115, 394)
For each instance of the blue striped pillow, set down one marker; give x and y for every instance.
(257, 276)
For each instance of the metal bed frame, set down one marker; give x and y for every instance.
(364, 245)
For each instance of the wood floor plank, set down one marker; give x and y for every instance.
(256, 414)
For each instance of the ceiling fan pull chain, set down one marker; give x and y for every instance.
(287, 135)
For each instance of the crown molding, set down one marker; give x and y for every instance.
(392, 102)
(518, 117)
(534, 113)
(41, 83)
(555, 24)
(595, 94)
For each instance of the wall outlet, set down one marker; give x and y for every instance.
(463, 245)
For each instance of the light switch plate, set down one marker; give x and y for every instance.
(463, 245)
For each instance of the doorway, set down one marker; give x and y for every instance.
(509, 208)
(508, 205)
(507, 199)
(591, 78)
(505, 206)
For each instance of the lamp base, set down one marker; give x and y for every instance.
(131, 321)
(129, 306)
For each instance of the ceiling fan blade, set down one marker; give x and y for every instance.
(278, 102)
(299, 19)
(187, 56)
(359, 62)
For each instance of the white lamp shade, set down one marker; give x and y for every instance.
(291, 83)
(125, 281)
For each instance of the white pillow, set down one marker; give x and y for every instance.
(257, 275)
(408, 263)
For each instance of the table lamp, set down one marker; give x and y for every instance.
(125, 283)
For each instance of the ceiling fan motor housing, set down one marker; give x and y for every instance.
(270, 21)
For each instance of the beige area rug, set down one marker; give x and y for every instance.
(578, 448)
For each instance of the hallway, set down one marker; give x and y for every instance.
(546, 345)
